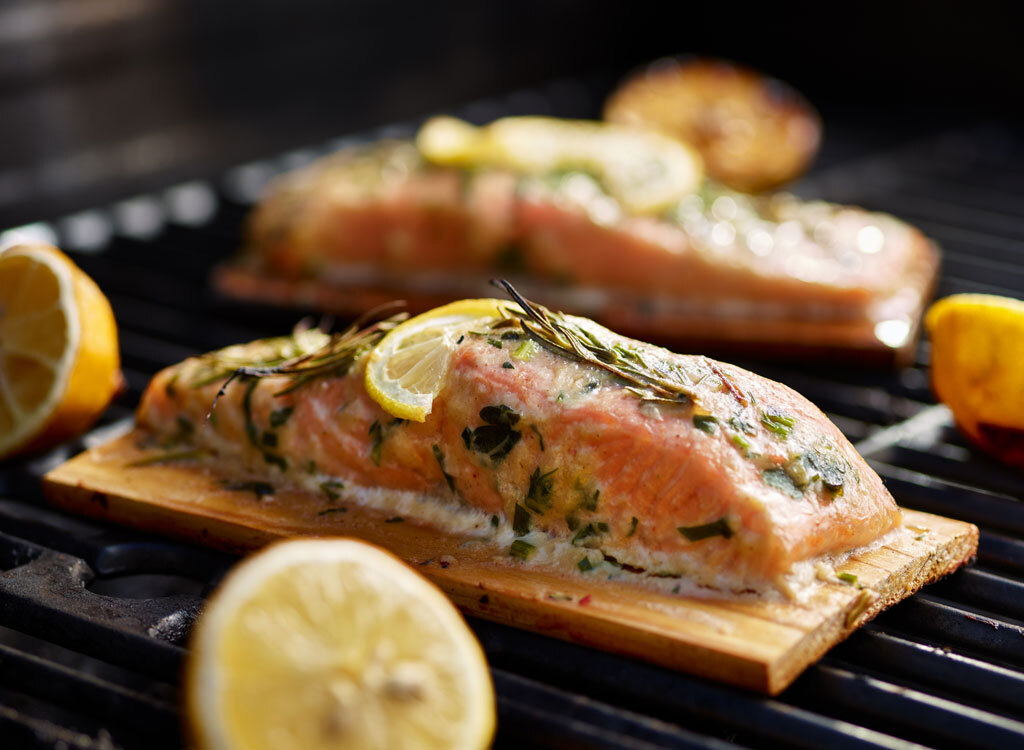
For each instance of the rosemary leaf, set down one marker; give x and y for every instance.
(707, 530)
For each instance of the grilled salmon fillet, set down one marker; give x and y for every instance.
(376, 222)
(732, 484)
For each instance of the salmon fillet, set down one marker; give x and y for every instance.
(376, 222)
(732, 484)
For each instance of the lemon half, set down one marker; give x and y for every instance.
(59, 362)
(335, 643)
(406, 369)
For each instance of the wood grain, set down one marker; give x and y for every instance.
(757, 644)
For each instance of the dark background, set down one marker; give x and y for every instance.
(100, 99)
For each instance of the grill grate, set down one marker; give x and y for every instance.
(93, 618)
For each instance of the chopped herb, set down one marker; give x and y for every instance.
(739, 424)
(538, 496)
(525, 350)
(499, 415)
(328, 511)
(705, 423)
(250, 427)
(330, 488)
(461, 339)
(275, 460)
(496, 343)
(311, 466)
(495, 522)
(510, 336)
(572, 522)
(394, 519)
(521, 521)
(592, 385)
(496, 438)
(279, 416)
(521, 549)
(260, 489)
(540, 437)
(739, 441)
(603, 527)
(269, 439)
(632, 526)
(584, 533)
(558, 333)
(779, 423)
(508, 365)
(848, 578)
(584, 564)
(440, 462)
(376, 438)
(782, 481)
(590, 501)
(675, 589)
(560, 398)
(707, 530)
(832, 471)
(170, 456)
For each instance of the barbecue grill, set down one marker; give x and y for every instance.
(94, 619)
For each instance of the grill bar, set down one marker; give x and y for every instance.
(106, 610)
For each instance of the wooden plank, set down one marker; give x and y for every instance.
(754, 643)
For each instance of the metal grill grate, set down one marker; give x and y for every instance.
(93, 619)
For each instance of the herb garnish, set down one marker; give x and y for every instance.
(331, 487)
(496, 438)
(521, 549)
(521, 521)
(440, 462)
(525, 350)
(538, 496)
(707, 530)
(508, 365)
(556, 332)
(632, 526)
(705, 423)
(848, 578)
(494, 521)
(782, 481)
(540, 438)
(584, 533)
(279, 416)
(584, 564)
(779, 423)
(376, 439)
(260, 489)
(496, 343)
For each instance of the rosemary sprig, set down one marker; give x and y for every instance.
(293, 360)
(555, 332)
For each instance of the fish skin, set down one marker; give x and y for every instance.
(648, 461)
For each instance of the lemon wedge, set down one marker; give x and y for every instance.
(977, 367)
(59, 362)
(647, 172)
(335, 643)
(406, 369)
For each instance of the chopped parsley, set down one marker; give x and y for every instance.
(376, 439)
(739, 441)
(540, 437)
(538, 496)
(521, 549)
(632, 526)
(496, 343)
(705, 423)
(440, 462)
(848, 578)
(521, 521)
(270, 439)
(331, 487)
(706, 531)
(525, 350)
(782, 481)
(508, 365)
(779, 423)
(279, 416)
(260, 489)
(584, 533)
(275, 460)
(495, 438)
(584, 564)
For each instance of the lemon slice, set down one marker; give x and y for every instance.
(59, 363)
(645, 171)
(334, 643)
(407, 367)
(977, 364)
